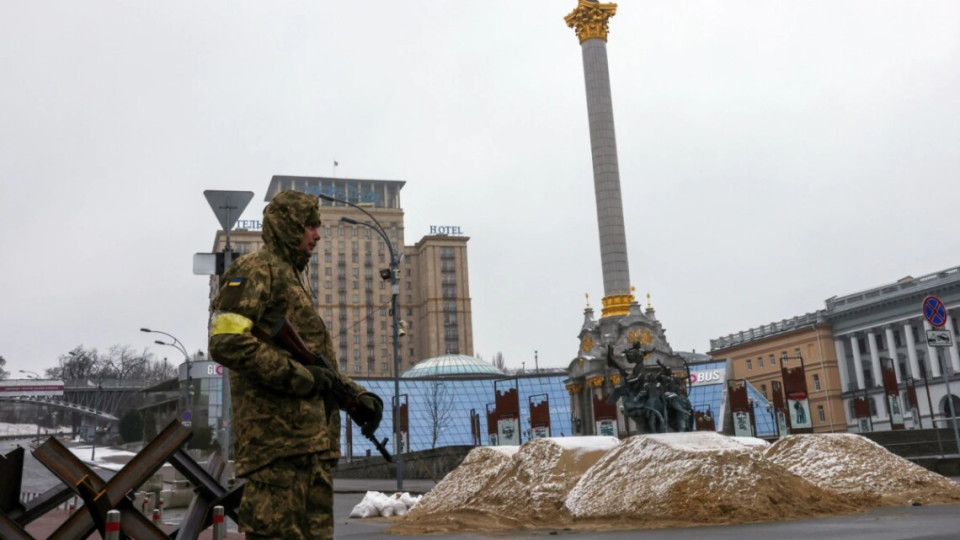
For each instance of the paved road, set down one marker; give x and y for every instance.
(923, 522)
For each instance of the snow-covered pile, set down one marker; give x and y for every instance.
(534, 483)
(675, 479)
(462, 483)
(699, 477)
(375, 504)
(853, 465)
(525, 490)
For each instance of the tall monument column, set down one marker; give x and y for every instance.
(589, 20)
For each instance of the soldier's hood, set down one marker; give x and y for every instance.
(284, 221)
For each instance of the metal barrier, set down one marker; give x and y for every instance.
(104, 500)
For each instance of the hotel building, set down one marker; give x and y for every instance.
(346, 285)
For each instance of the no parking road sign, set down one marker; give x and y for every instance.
(934, 311)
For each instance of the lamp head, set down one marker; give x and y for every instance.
(351, 221)
(145, 330)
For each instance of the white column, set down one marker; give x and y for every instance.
(932, 354)
(857, 362)
(911, 351)
(954, 357)
(841, 364)
(892, 349)
(874, 358)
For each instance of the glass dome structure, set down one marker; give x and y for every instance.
(452, 365)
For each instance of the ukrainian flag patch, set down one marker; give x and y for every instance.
(235, 282)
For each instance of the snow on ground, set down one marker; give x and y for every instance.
(27, 430)
(105, 457)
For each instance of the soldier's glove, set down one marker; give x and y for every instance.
(322, 379)
(369, 412)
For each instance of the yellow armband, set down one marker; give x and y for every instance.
(230, 323)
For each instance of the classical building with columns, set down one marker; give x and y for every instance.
(844, 346)
(887, 322)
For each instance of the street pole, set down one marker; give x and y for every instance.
(933, 419)
(96, 409)
(947, 367)
(177, 344)
(394, 271)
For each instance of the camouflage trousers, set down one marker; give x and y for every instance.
(291, 498)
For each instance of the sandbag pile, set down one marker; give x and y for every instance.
(376, 504)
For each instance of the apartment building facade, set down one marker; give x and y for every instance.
(759, 354)
(348, 289)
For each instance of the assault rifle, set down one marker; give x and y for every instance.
(283, 335)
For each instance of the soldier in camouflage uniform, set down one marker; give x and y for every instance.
(287, 425)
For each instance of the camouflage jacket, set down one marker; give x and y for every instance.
(274, 414)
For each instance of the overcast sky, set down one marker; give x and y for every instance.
(772, 154)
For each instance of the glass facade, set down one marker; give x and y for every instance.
(708, 392)
(201, 393)
(439, 409)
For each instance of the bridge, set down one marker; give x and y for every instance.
(101, 401)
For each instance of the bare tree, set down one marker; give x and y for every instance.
(499, 362)
(3, 373)
(120, 362)
(439, 410)
(77, 364)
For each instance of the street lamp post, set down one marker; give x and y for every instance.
(176, 344)
(96, 408)
(390, 273)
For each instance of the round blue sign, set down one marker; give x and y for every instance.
(186, 416)
(934, 311)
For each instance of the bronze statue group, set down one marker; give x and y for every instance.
(655, 399)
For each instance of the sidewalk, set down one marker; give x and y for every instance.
(363, 485)
(352, 490)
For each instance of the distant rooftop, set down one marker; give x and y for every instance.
(766, 330)
(903, 286)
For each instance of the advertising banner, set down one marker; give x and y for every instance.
(740, 408)
(539, 415)
(710, 376)
(402, 428)
(507, 411)
(704, 421)
(540, 432)
(896, 413)
(892, 392)
(508, 431)
(31, 388)
(607, 428)
(799, 408)
(914, 405)
(492, 417)
(861, 411)
(798, 401)
(783, 423)
(741, 424)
